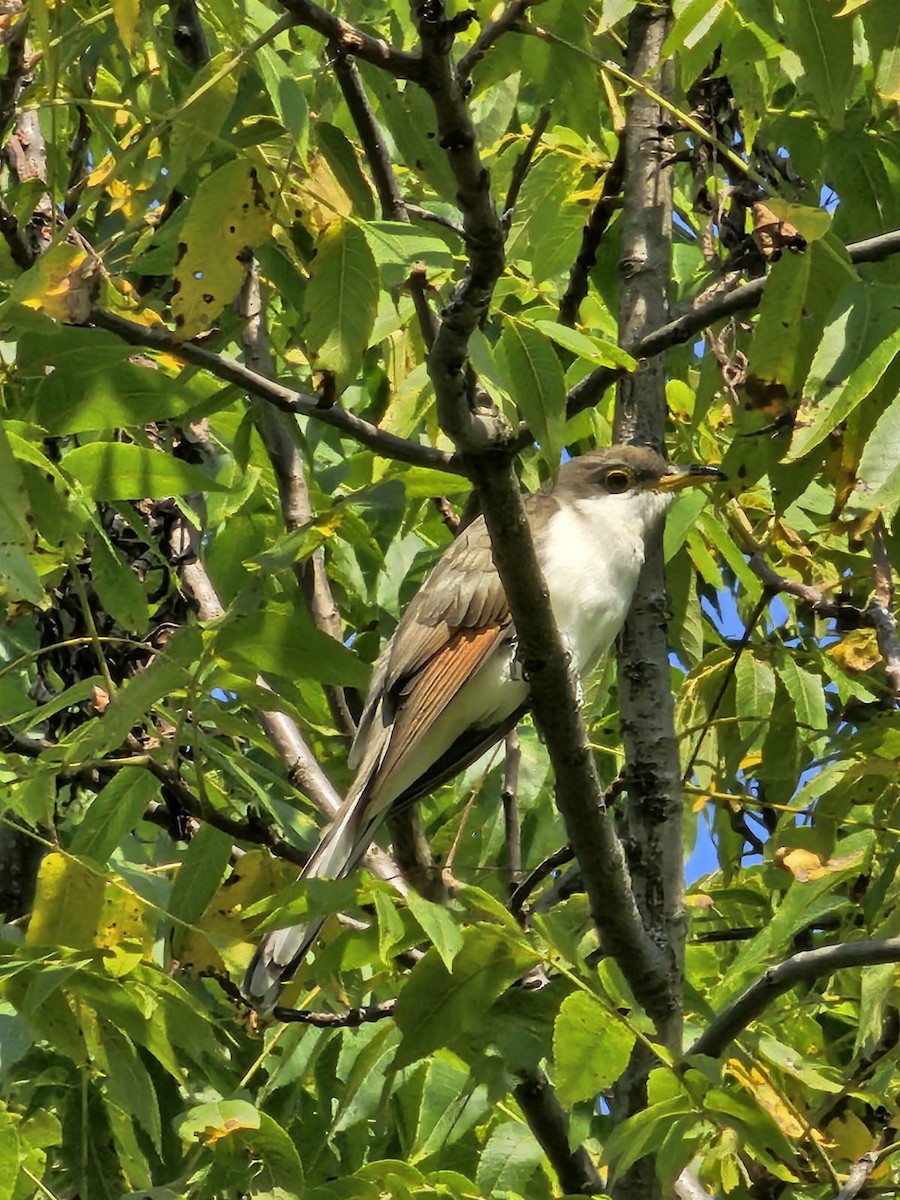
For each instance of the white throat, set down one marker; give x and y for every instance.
(591, 553)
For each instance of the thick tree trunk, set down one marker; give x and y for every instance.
(650, 824)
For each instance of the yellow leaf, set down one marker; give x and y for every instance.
(850, 1139)
(125, 13)
(321, 199)
(230, 213)
(63, 283)
(213, 1134)
(802, 864)
(857, 651)
(76, 906)
(806, 866)
(221, 933)
(68, 902)
(767, 1097)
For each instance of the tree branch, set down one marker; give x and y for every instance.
(589, 390)
(481, 439)
(491, 34)
(350, 1018)
(228, 369)
(523, 163)
(509, 795)
(808, 964)
(287, 463)
(469, 427)
(591, 237)
(549, 1123)
(351, 40)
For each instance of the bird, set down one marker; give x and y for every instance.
(448, 685)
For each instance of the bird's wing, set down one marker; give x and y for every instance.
(449, 629)
(463, 592)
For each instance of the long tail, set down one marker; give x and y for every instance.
(280, 952)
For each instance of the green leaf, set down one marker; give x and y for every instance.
(201, 115)
(508, 1160)
(287, 643)
(205, 861)
(395, 243)
(286, 94)
(436, 1005)
(860, 341)
(10, 1154)
(804, 903)
(341, 300)
(593, 349)
(883, 35)
(825, 46)
(120, 471)
(119, 589)
(438, 926)
(878, 474)
(795, 305)
(807, 692)
(114, 813)
(166, 674)
(536, 383)
(591, 1048)
(451, 1104)
(755, 695)
(18, 578)
(341, 157)
(128, 1083)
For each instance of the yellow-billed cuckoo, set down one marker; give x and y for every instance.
(448, 685)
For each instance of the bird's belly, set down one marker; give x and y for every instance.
(491, 695)
(591, 571)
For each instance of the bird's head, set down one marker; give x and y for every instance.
(637, 481)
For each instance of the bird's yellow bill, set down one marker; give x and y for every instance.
(677, 478)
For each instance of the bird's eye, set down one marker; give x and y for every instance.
(618, 481)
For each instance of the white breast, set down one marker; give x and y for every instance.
(591, 557)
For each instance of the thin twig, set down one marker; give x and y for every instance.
(591, 237)
(723, 687)
(425, 214)
(350, 1018)
(558, 858)
(523, 163)
(490, 34)
(390, 198)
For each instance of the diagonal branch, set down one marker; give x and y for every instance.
(491, 33)
(799, 968)
(589, 390)
(549, 1122)
(388, 445)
